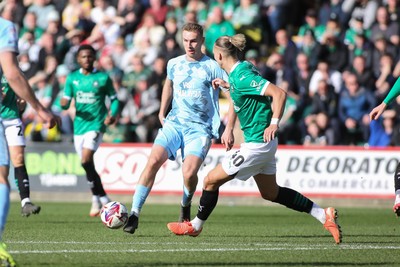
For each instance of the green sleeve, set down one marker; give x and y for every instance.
(393, 93)
(67, 93)
(114, 107)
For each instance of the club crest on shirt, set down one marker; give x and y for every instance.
(255, 84)
(95, 84)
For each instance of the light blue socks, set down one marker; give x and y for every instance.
(139, 198)
(4, 206)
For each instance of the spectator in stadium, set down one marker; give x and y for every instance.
(259, 118)
(276, 14)
(142, 109)
(75, 38)
(159, 10)
(323, 112)
(227, 7)
(135, 69)
(329, 7)
(280, 73)
(30, 25)
(101, 9)
(365, 9)
(74, 11)
(392, 6)
(286, 47)
(151, 30)
(158, 74)
(362, 47)
(355, 102)
(170, 48)
(325, 72)
(91, 117)
(384, 26)
(302, 76)
(27, 67)
(381, 130)
(310, 47)
(375, 114)
(334, 51)
(382, 47)
(177, 10)
(315, 136)
(355, 29)
(216, 27)
(47, 47)
(195, 107)
(65, 115)
(41, 8)
(11, 72)
(199, 8)
(364, 74)
(129, 18)
(385, 80)
(247, 20)
(311, 24)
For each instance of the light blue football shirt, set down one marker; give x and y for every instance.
(8, 42)
(195, 101)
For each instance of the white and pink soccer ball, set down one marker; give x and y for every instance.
(114, 215)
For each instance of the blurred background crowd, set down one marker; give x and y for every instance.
(336, 59)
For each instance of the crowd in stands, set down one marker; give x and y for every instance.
(336, 59)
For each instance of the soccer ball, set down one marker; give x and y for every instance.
(114, 215)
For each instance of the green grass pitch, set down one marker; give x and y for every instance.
(64, 235)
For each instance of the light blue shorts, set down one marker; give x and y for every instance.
(191, 140)
(4, 154)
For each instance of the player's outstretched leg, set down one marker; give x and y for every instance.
(332, 225)
(5, 258)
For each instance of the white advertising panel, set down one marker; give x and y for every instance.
(328, 172)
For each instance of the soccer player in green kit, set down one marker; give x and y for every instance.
(259, 117)
(89, 88)
(374, 115)
(14, 131)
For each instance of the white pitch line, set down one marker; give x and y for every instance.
(345, 247)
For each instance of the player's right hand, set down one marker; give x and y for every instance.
(218, 82)
(50, 120)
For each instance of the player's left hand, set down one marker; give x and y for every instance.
(109, 120)
(270, 132)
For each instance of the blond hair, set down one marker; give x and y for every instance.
(232, 45)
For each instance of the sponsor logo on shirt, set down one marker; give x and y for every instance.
(85, 97)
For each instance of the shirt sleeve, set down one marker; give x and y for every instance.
(8, 37)
(393, 93)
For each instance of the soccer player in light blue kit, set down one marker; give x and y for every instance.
(9, 68)
(191, 124)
